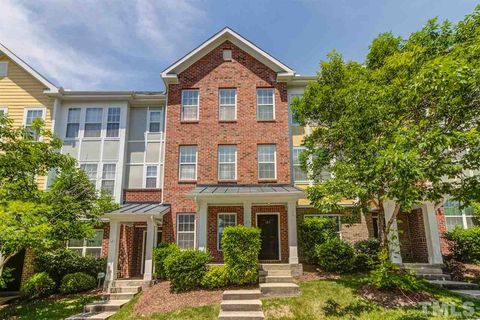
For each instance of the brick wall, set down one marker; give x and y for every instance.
(442, 228)
(207, 75)
(413, 241)
(212, 227)
(142, 195)
(27, 265)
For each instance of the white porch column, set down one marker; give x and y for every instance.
(292, 232)
(202, 225)
(151, 227)
(431, 233)
(392, 237)
(113, 246)
(247, 213)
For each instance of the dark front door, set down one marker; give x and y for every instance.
(268, 223)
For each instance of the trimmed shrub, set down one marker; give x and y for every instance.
(186, 269)
(216, 277)
(160, 253)
(241, 246)
(315, 231)
(335, 255)
(77, 282)
(60, 262)
(465, 243)
(366, 254)
(37, 286)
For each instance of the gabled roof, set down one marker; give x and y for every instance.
(169, 75)
(51, 87)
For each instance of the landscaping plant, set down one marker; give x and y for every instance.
(366, 254)
(216, 277)
(185, 269)
(315, 231)
(37, 286)
(241, 246)
(160, 253)
(464, 243)
(77, 282)
(335, 255)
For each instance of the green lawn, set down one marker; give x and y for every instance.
(47, 309)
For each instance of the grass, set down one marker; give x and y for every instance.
(53, 308)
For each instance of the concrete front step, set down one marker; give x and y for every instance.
(242, 294)
(241, 315)
(92, 316)
(241, 305)
(474, 294)
(435, 276)
(455, 285)
(110, 305)
(279, 289)
(118, 296)
(130, 283)
(276, 279)
(133, 290)
(277, 273)
(275, 266)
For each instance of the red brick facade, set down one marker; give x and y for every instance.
(212, 227)
(142, 195)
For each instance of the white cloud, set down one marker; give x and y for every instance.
(89, 44)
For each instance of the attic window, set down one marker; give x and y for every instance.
(3, 68)
(227, 55)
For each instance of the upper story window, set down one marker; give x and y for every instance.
(91, 171)
(108, 177)
(87, 247)
(293, 120)
(113, 122)
(266, 155)
(154, 121)
(30, 116)
(265, 104)
(454, 216)
(298, 174)
(93, 122)
(227, 162)
(227, 104)
(188, 163)
(73, 123)
(186, 230)
(189, 105)
(3, 68)
(151, 177)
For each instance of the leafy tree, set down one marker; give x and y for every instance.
(36, 219)
(404, 125)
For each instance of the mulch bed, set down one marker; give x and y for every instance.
(394, 298)
(311, 273)
(158, 298)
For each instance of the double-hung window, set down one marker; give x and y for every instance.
(225, 220)
(91, 171)
(186, 230)
(188, 163)
(151, 177)
(87, 247)
(73, 123)
(265, 104)
(108, 177)
(266, 155)
(298, 174)
(227, 104)
(227, 162)
(154, 121)
(113, 122)
(93, 122)
(455, 216)
(30, 117)
(189, 105)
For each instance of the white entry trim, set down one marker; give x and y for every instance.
(279, 235)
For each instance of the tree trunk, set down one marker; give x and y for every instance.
(4, 260)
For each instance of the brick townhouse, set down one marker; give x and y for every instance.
(218, 148)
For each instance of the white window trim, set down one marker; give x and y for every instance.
(298, 165)
(145, 175)
(114, 179)
(274, 163)
(194, 228)
(116, 122)
(99, 165)
(229, 105)
(103, 124)
(198, 106)
(219, 163)
(463, 215)
(256, 101)
(84, 247)
(6, 68)
(188, 163)
(218, 225)
(67, 123)
(44, 116)
(313, 215)
(149, 120)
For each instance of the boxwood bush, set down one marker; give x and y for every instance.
(216, 277)
(315, 231)
(241, 246)
(335, 255)
(37, 286)
(160, 253)
(366, 254)
(464, 244)
(186, 269)
(77, 282)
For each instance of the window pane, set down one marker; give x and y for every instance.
(93, 115)
(72, 130)
(97, 239)
(189, 113)
(92, 130)
(227, 153)
(32, 115)
(155, 116)
(265, 98)
(227, 113)
(73, 115)
(227, 104)
(188, 154)
(266, 171)
(108, 185)
(77, 251)
(154, 127)
(265, 112)
(108, 171)
(451, 222)
(75, 242)
(93, 252)
(151, 171)
(186, 231)
(187, 172)
(189, 105)
(113, 115)
(266, 153)
(151, 183)
(113, 129)
(90, 169)
(186, 240)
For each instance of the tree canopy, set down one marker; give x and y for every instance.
(404, 125)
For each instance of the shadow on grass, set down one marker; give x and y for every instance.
(357, 308)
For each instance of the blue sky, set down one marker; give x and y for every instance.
(125, 44)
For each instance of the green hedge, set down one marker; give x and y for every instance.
(37, 286)
(464, 244)
(186, 269)
(241, 246)
(160, 253)
(335, 255)
(366, 254)
(77, 282)
(216, 277)
(315, 231)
